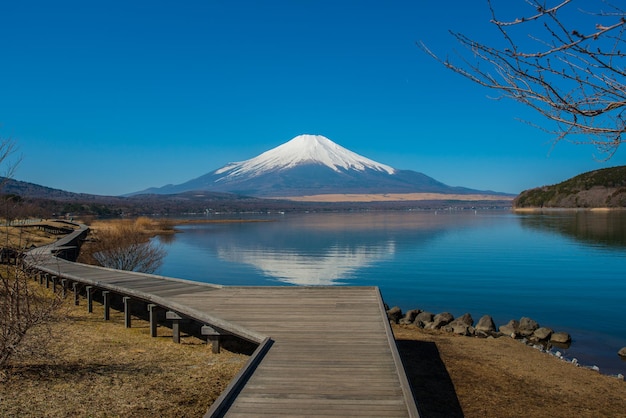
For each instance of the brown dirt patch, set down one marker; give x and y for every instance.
(463, 376)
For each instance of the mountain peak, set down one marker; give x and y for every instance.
(301, 150)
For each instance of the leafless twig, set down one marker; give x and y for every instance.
(574, 78)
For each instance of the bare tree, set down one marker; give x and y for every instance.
(24, 305)
(567, 63)
(126, 246)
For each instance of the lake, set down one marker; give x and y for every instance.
(564, 269)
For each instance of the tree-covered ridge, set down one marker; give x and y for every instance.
(594, 189)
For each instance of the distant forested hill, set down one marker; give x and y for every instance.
(595, 189)
(20, 199)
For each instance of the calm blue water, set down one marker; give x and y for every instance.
(563, 269)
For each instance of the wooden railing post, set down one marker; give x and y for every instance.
(152, 313)
(64, 288)
(126, 300)
(88, 290)
(76, 291)
(106, 302)
(54, 283)
(213, 337)
(175, 318)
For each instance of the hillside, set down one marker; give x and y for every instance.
(605, 188)
(29, 199)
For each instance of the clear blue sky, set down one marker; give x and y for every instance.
(111, 97)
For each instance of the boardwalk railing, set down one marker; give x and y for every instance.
(52, 261)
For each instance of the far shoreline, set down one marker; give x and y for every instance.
(397, 197)
(217, 221)
(539, 210)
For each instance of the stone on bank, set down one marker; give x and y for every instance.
(525, 328)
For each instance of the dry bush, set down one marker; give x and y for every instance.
(125, 245)
(158, 225)
(24, 305)
(144, 223)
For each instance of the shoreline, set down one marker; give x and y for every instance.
(454, 376)
(397, 197)
(525, 331)
(217, 221)
(540, 210)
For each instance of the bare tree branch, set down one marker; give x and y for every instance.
(23, 304)
(573, 78)
(7, 149)
(126, 246)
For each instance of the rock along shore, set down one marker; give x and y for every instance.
(485, 327)
(525, 329)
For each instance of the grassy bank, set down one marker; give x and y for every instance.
(457, 376)
(91, 367)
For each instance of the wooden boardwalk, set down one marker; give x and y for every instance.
(322, 351)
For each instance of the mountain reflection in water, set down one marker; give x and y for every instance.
(313, 249)
(325, 268)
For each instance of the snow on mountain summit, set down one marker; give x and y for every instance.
(304, 149)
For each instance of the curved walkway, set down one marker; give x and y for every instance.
(322, 351)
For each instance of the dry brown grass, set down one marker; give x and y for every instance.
(149, 226)
(463, 376)
(98, 368)
(24, 237)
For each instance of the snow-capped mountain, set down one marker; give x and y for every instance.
(302, 150)
(310, 165)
